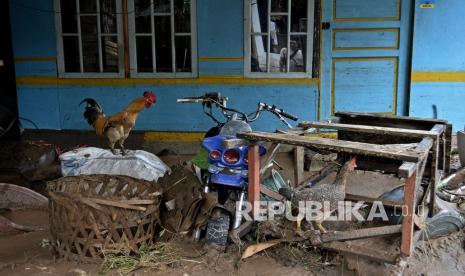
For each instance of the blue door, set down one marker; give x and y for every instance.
(365, 56)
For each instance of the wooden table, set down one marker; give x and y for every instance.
(410, 147)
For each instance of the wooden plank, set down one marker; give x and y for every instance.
(442, 151)
(372, 129)
(370, 253)
(406, 247)
(267, 191)
(407, 169)
(424, 146)
(434, 177)
(387, 122)
(391, 118)
(298, 165)
(361, 233)
(268, 157)
(387, 151)
(448, 147)
(437, 129)
(254, 178)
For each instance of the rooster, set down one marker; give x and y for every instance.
(332, 193)
(117, 127)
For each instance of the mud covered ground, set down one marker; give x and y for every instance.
(30, 254)
(24, 254)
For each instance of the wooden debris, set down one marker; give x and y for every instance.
(372, 129)
(256, 248)
(371, 253)
(386, 151)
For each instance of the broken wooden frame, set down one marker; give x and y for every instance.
(382, 140)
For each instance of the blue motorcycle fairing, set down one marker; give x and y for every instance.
(224, 176)
(233, 180)
(216, 143)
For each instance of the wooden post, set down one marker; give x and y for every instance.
(434, 176)
(298, 165)
(254, 177)
(406, 247)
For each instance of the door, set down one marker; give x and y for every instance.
(8, 100)
(365, 56)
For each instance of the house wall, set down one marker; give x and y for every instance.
(438, 61)
(53, 103)
(438, 72)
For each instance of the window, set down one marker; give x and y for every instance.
(89, 38)
(274, 26)
(162, 38)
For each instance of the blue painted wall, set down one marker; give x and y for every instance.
(57, 107)
(220, 34)
(439, 46)
(365, 56)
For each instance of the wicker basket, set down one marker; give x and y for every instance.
(97, 214)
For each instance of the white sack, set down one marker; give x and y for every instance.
(136, 163)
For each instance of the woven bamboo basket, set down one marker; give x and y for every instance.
(94, 215)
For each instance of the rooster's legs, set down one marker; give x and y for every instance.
(112, 147)
(121, 145)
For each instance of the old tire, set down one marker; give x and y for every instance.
(442, 224)
(217, 230)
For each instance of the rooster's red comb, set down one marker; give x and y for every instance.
(150, 95)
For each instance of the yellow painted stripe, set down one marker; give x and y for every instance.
(207, 59)
(162, 136)
(174, 136)
(34, 59)
(438, 77)
(129, 82)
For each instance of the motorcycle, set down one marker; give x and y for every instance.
(227, 169)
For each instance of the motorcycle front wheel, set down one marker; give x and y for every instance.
(218, 228)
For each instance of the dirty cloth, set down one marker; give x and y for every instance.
(185, 206)
(136, 163)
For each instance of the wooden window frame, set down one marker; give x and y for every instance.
(247, 43)
(60, 51)
(192, 34)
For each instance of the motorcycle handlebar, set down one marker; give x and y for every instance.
(278, 111)
(289, 116)
(189, 100)
(207, 97)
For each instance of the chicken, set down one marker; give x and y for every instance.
(117, 127)
(332, 193)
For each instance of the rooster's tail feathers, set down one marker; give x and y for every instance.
(91, 103)
(93, 110)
